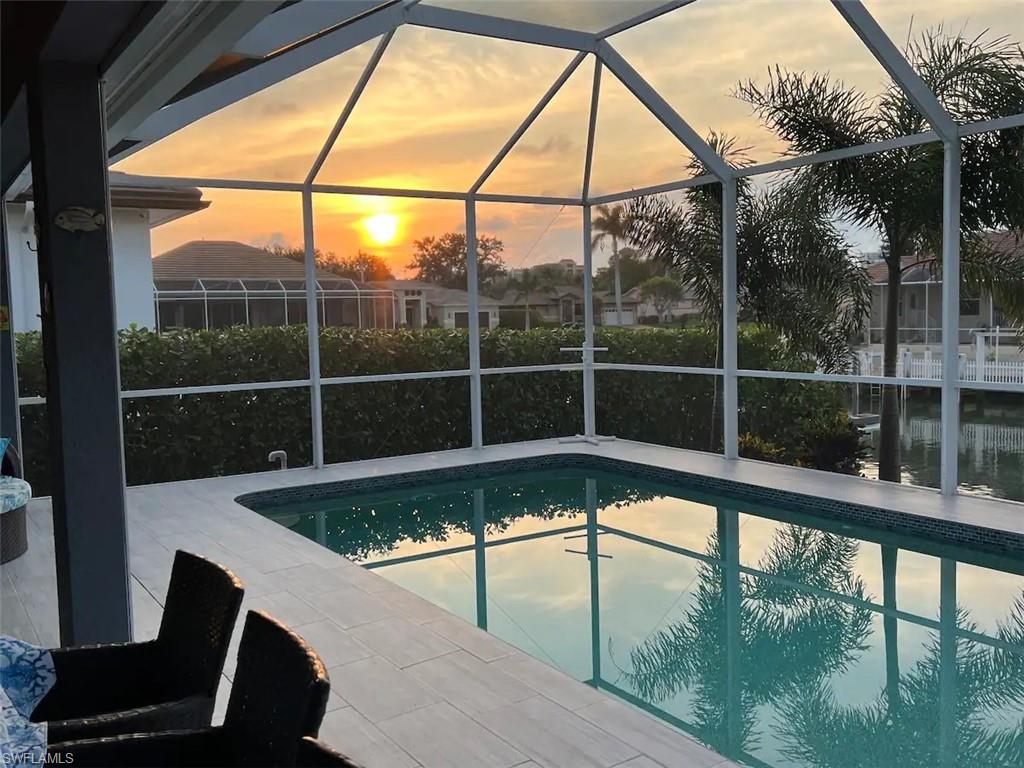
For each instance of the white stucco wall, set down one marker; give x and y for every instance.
(133, 268)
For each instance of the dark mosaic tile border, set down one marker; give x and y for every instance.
(940, 531)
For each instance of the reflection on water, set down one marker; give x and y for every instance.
(775, 643)
(991, 448)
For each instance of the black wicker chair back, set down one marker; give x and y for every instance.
(200, 612)
(157, 685)
(279, 694)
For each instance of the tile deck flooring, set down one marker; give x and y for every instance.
(411, 684)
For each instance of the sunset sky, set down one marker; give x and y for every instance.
(441, 105)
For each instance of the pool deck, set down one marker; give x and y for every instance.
(413, 685)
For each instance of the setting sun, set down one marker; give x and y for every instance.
(382, 228)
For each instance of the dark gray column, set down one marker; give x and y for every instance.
(72, 207)
(10, 423)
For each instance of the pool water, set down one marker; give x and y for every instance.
(775, 639)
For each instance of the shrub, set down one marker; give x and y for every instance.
(754, 447)
(177, 437)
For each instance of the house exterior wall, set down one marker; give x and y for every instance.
(133, 268)
(920, 315)
(683, 308)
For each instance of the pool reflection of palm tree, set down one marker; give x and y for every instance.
(787, 635)
(816, 730)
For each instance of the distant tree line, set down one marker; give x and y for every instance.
(364, 267)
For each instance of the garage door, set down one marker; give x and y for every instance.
(462, 319)
(611, 316)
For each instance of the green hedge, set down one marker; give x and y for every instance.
(180, 437)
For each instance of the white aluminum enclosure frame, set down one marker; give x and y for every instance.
(204, 293)
(382, 23)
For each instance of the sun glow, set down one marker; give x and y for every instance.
(382, 228)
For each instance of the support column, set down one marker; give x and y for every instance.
(730, 390)
(10, 417)
(313, 331)
(473, 289)
(589, 398)
(72, 207)
(950, 316)
(480, 556)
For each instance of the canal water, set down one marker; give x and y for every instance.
(991, 446)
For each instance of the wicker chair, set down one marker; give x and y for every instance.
(279, 695)
(157, 685)
(316, 754)
(13, 523)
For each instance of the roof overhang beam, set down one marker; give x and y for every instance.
(273, 70)
(298, 21)
(175, 46)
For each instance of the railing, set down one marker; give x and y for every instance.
(909, 366)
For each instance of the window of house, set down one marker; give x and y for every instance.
(970, 305)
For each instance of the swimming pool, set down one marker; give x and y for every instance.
(776, 636)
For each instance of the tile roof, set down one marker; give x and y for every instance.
(878, 272)
(227, 258)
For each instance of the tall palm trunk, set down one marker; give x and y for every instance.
(890, 628)
(889, 427)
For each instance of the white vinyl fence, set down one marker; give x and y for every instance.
(927, 366)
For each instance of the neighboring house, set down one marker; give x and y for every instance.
(134, 212)
(684, 308)
(920, 307)
(563, 304)
(218, 283)
(419, 304)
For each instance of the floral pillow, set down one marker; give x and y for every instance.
(26, 676)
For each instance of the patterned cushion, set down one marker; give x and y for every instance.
(14, 493)
(26, 676)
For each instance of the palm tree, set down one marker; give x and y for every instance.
(786, 635)
(795, 272)
(529, 282)
(816, 730)
(611, 223)
(898, 193)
